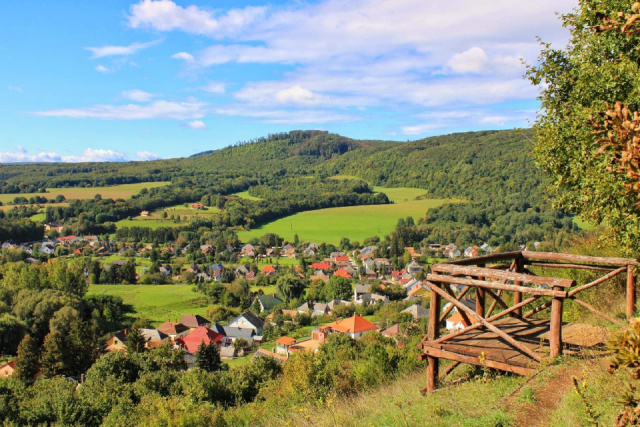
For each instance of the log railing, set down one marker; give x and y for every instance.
(492, 281)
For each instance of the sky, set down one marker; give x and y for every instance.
(141, 80)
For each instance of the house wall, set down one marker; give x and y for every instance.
(114, 344)
(242, 323)
(7, 371)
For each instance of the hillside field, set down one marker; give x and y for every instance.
(355, 222)
(158, 303)
(123, 191)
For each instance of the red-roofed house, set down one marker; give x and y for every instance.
(341, 260)
(353, 326)
(456, 322)
(342, 272)
(320, 266)
(282, 345)
(197, 206)
(268, 270)
(192, 341)
(7, 369)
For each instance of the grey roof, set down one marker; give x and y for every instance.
(363, 289)
(153, 335)
(232, 332)
(417, 311)
(253, 319)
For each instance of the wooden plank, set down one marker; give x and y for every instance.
(578, 259)
(433, 334)
(485, 259)
(501, 275)
(597, 281)
(573, 266)
(451, 306)
(435, 352)
(495, 285)
(487, 324)
(555, 329)
(596, 311)
(631, 292)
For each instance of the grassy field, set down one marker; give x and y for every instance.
(158, 303)
(155, 218)
(246, 195)
(354, 222)
(150, 223)
(123, 191)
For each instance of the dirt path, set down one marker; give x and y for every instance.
(547, 399)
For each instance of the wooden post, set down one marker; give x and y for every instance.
(480, 296)
(433, 334)
(631, 292)
(555, 332)
(517, 296)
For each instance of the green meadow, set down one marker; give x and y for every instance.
(355, 222)
(246, 195)
(158, 303)
(123, 191)
(150, 223)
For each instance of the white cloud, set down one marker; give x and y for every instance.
(185, 56)
(137, 95)
(165, 15)
(470, 119)
(102, 69)
(473, 60)
(102, 51)
(147, 155)
(214, 87)
(289, 117)
(196, 124)
(420, 129)
(88, 155)
(15, 89)
(366, 53)
(155, 110)
(21, 149)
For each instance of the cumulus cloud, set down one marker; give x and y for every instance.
(102, 51)
(185, 56)
(165, 15)
(196, 124)
(102, 69)
(473, 60)
(287, 116)
(147, 155)
(137, 95)
(156, 110)
(88, 155)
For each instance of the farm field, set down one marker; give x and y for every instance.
(155, 218)
(246, 195)
(158, 303)
(355, 222)
(150, 223)
(123, 191)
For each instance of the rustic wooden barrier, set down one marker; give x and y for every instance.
(509, 340)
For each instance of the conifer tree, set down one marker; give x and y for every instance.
(208, 357)
(27, 359)
(135, 341)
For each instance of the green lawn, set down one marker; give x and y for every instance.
(157, 302)
(355, 222)
(584, 225)
(150, 223)
(246, 195)
(123, 191)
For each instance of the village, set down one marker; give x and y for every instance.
(263, 330)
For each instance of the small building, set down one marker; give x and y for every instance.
(283, 344)
(248, 320)
(117, 342)
(153, 337)
(354, 326)
(173, 329)
(144, 213)
(201, 334)
(7, 369)
(268, 270)
(194, 321)
(197, 206)
(267, 302)
(416, 311)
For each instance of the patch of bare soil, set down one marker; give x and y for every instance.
(548, 397)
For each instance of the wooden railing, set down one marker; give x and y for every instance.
(491, 281)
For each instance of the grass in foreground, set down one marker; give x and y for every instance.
(355, 222)
(158, 303)
(123, 191)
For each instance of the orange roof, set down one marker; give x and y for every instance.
(320, 266)
(354, 325)
(342, 258)
(342, 272)
(457, 318)
(286, 340)
(268, 268)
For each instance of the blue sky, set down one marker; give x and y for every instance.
(123, 80)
